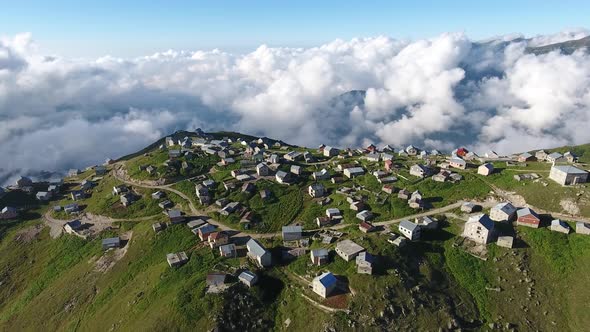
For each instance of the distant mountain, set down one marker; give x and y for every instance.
(349, 99)
(567, 47)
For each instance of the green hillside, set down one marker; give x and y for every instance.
(69, 283)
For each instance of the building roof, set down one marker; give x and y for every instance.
(74, 224)
(488, 166)
(408, 225)
(227, 249)
(174, 213)
(292, 229)
(355, 170)
(569, 169)
(206, 229)
(111, 241)
(327, 279)
(483, 219)
(555, 155)
(247, 276)
(557, 222)
(364, 214)
(216, 278)
(365, 257)
(255, 248)
(505, 207)
(321, 252)
(526, 155)
(349, 247)
(458, 161)
(525, 212)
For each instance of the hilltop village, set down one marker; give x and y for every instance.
(260, 203)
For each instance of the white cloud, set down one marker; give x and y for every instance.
(442, 92)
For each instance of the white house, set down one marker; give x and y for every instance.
(457, 163)
(559, 226)
(479, 228)
(316, 190)
(555, 157)
(282, 177)
(248, 278)
(502, 212)
(291, 233)
(568, 175)
(348, 250)
(409, 230)
(262, 169)
(324, 284)
(485, 169)
(582, 228)
(419, 170)
(319, 256)
(353, 171)
(330, 151)
(258, 253)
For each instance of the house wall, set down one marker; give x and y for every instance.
(499, 215)
(477, 233)
(529, 221)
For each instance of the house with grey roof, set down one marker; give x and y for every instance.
(409, 229)
(296, 169)
(485, 169)
(505, 241)
(479, 228)
(559, 226)
(321, 175)
(111, 242)
(457, 163)
(228, 250)
(175, 216)
(324, 284)
(526, 157)
(541, 155)
(282, 177)
(331, 151)
(319, 256)
(262, 169)
(582, 228)
(568, 175)
(348, 249)
(364, 215)
(555, 157)
(258, 253)
(353, 172)
(43, 195)
(291, 233)
(419, 170)
(71, 208)
(248, 278)
(364, 263)
(176, 259)
(71, 227)
(316, 190)
(502, 212)
(8, 212)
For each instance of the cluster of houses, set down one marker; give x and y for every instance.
(480, 228)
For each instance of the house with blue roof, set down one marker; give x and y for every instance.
(324, 284)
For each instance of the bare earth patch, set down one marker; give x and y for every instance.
(28, 234)
(569, 206)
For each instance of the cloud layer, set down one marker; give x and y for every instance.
(57, 113)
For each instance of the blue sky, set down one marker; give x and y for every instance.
(131, 28)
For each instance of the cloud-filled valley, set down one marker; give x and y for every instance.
(57, 113)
